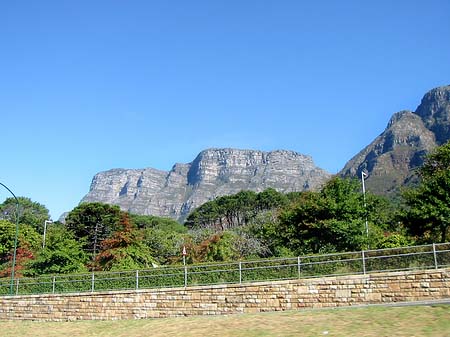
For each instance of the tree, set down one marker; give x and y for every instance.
(124, 249)
(216, 247)
(7, 233)
(163, 236)
(164, 245)
(265, 229)
(326, 221)
(63, 254)
(151, 221)
(270, 199)
(27, 245)
(30, 212)
(231, 211)
(427, 207)
(93, 222)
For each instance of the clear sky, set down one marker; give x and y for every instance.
(90, 85)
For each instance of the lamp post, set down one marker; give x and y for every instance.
(45, 231)
(11, 288)
(363, 176)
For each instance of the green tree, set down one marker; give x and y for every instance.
(7, 233)
(265, 229)
(151, 221)
(393, 240)
(221, 247)
(427, 211)
(28, 243)
(270, 199)
(231, 211)
(163, 236)
(164, 245)
(30, 212)
(93, 222)
(63, 254)
(211, 214)
(326, 221)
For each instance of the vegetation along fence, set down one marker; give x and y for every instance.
(368, 261)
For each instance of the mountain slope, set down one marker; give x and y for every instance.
(212, 173)
(391, 159)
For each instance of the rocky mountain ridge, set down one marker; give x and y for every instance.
(390, 162)
(392, 158)
(213, 173)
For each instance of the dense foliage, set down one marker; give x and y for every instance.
(231, 211)
(30, 212)
(331, 220)
(123, 250)
(247, 225)
(93, 222)
(62, 254)
(427, 213)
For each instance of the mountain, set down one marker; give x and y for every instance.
(391, 159)
(213, 173)
(390, 162)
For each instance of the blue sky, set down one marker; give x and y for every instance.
(87, 86)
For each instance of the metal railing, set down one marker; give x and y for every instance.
(352, 263)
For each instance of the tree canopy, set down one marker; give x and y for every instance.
(235, 210)
(245, 225)
(427, 211)
(330, 220)
(30, 212)
(93, 222)
(63, 254)
(124, 249)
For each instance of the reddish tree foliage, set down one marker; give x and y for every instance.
(23, 255)
(115, 248)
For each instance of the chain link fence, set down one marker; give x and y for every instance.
(352, 263)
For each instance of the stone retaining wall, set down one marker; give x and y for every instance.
(230, 299)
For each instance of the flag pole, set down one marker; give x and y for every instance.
(363, 176)
(184, 264)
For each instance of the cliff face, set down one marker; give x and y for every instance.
(434, 110)
(391, 159)
(213, 173)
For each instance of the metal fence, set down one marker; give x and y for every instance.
(352, 263)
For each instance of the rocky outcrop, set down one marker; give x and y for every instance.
(390, 162)
(435, 113)
(213, 173)
(391, 159)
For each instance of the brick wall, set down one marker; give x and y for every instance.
(231, 299)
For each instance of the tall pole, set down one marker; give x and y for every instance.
(45, 231)
(184, 264)
(363, 176)
(11, 288)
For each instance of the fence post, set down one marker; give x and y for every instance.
(137, 279)
(298, 266)
(17, 286)
(93, 282)
(363, 262)
(435, 256)
(53, 284)
(240, 272)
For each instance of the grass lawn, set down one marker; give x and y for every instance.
(369, 321)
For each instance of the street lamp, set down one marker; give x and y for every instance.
(45, 231)
(363, 176)
(11, 288)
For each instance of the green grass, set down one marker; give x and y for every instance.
(369, 321)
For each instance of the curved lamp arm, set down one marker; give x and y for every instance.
(11, 288)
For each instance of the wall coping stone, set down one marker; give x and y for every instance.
(367, 277)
